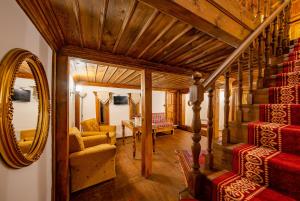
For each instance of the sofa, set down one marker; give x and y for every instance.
(91, 127)
(90, 164)
(160, 123)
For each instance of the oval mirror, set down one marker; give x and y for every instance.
(24, 102)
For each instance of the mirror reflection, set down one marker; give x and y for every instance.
(25, 107)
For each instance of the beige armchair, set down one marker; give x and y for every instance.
(89, 164)
(91, 127)
(26, 139)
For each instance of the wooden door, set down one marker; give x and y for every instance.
(171, 109)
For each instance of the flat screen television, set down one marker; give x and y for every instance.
(21, 95)
(120, 100)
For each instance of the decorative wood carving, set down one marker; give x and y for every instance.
(210, 129)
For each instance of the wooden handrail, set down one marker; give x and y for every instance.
(237, 52)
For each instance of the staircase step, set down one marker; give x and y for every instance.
(231, 186)
(264, 166)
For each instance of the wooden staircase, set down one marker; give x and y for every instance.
(263, 53)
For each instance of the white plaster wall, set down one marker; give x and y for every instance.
(118, 113)
(71, 101)
(204, 108)
(32, 183)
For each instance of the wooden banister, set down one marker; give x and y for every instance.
(235, 55)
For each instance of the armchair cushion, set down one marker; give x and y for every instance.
(90, 125)
(108, 128)
(95, 140)
(75, 143)
(27, 135)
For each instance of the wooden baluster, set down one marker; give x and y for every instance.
(265, 9)
(226, 131)
(259, 10)
(287, 29)
(267, 55)
(240, 93)
(196, 98)
(197, 93)
(274, 37)
(210, 130)
(280, 35)
(260, 80)
(250, 75)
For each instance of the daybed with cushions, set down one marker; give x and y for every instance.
(91, 127)
(90, 164)
(160, 123)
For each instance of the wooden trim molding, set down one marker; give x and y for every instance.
(106, 58)
(77, 110)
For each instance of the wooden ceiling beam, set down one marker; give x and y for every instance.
(167, 28)
(123, 86)
(121, 61)
(213, 61)
(125, 23)
(206, 17)
(171, 41)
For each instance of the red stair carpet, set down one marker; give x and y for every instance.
(268, 167)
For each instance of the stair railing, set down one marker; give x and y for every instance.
(269, 39)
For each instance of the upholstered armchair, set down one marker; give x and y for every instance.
(89, 164)
(91, 127)
(26, 139)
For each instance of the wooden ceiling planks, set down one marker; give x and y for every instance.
(129, 29)
(103, 75)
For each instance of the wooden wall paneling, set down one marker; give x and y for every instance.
(106, 58)
(97, 109)
(117, 75)
(147, 150)
(102, 21)
(124, 76)
(110, 71)
(182, 109)
(61, 128)
(106, 113)
(101, 73)
(77, 110)
(136, 74)
(91, 70)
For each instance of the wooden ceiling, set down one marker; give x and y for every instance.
(126, 30)
(112, 76)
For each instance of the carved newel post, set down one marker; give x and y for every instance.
(196, 98)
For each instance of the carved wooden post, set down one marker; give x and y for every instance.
(259, 10)
(274, 37)
(210, 129)
(267, 55)
(280, 35)
(250, 76)
(226, 132)
(196, 98)
(240, 93)
(260, 63)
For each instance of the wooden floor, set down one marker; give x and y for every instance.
(165, 183)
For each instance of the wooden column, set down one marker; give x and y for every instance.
(239, 115)
(260, 79)
(61, 127)
(226, 132)
(77, 110)
(210, 129)
(146, 92)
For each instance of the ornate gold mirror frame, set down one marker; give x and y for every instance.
(8, 143)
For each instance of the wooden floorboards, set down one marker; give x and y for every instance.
(164, 184)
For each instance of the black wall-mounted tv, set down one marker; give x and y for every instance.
(120, 100)
(21, 95)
